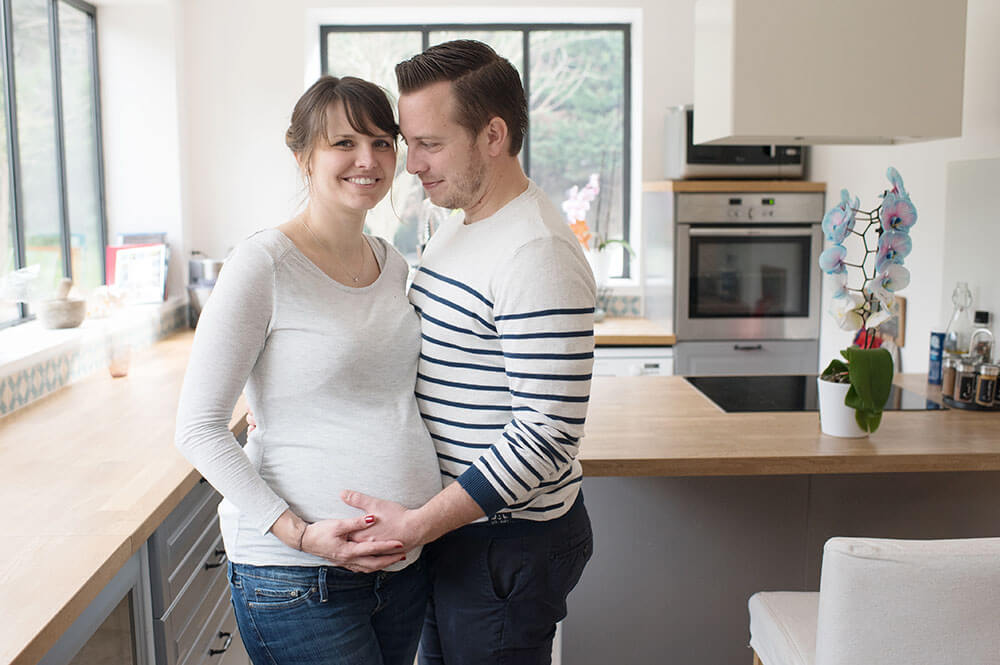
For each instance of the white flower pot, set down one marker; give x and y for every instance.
(835, 417)
(600, 263)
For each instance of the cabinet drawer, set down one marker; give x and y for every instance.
(198, 592)
(172, 542)
(216, 631)
(179, 634)
(194, 574)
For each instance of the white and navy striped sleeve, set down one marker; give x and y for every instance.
(544, 317)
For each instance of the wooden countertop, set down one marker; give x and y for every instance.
(88, 473)
(628, 331)
(715, 186)
(662, 426)
(86, 476)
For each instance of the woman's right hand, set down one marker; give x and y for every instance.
(331, 539)
(251, 423)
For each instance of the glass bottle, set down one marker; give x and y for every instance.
(959, 332)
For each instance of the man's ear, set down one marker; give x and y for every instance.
(497, 136)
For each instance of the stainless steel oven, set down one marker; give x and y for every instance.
(746, 272)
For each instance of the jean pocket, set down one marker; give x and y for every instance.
(505, 562)
(275, 594)
(566, 564)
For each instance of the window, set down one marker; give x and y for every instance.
(577, 81)
(51, 200)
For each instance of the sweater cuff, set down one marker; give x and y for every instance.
(476, 485)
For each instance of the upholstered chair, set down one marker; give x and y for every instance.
(887, 602)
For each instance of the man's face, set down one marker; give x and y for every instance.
(449, 162)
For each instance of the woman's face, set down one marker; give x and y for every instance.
(349, 169)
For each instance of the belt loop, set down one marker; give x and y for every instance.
(322, 585)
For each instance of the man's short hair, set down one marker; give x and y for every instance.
(485, 84)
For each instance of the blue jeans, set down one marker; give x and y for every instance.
(292, 615)
(499, 589)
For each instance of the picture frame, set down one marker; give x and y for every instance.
(895, 327)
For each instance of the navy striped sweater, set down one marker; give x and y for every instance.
(503, 382)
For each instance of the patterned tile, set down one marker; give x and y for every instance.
(22, 387)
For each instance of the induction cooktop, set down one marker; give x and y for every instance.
(787, 392)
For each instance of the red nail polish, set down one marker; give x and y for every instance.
(399, 547)
(404, 558)
(369, 519)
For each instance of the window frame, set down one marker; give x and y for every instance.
(13, 146)
(526, 28)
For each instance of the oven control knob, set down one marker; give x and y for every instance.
(749, 213)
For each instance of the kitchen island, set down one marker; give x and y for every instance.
(89, 472)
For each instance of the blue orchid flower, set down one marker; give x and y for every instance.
(893, 247)
(840, 285)
(838, 222)
(897, 181)
(894, 278)
(832, 259)
(898, 212)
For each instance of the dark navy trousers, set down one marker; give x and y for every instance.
(498, 589)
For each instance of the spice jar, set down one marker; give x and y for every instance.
(986, 384)
(965, 381)
(981, 345)
(948, 376)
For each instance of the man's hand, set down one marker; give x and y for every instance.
(394, 522)
(449, 509)
(251, 423)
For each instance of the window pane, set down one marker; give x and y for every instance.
(8, 310)
(373, 56)
(577, 122)
(80, 132)
(36, 139)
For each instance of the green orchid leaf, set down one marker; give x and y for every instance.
(871, 381)
(835, 367)
(601, 246)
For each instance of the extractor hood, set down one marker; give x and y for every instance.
(810, 72)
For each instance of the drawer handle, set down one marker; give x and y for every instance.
(748, 347)
(225, 646)
(222, 559)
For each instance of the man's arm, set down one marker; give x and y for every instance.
(544, 320)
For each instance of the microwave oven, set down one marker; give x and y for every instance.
(684, 159)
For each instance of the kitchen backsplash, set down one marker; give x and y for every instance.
(620, 305)
(25, 384)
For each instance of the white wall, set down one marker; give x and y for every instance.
(136, 51)
(924, 167)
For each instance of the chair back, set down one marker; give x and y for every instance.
(907, 602)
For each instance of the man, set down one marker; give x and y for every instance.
(506, 300)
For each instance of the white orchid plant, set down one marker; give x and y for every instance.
(577, 205)
(878, 275)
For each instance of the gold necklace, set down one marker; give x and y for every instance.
(342, 264)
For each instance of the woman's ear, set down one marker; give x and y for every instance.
(303, 167)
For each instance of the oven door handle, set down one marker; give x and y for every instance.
(744, 232)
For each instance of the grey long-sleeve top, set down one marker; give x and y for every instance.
(329, 373)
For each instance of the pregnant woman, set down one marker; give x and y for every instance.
(311, 320)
